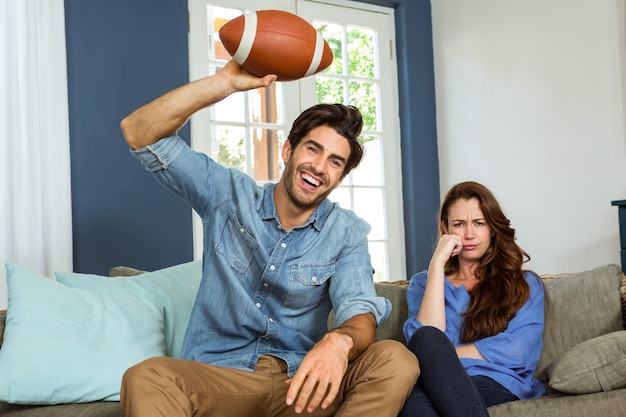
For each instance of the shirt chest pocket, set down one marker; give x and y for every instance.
(308, 284)
(236, 245)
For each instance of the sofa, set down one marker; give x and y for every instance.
(583, 361)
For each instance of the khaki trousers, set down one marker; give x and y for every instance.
(376, 384)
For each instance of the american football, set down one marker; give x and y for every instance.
(276, 42)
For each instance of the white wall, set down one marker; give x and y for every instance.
(530, 102)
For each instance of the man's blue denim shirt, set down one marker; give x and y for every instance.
(264, 290)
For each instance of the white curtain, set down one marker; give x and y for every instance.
(35, 195)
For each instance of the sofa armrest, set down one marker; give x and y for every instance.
(396, 293)
(124, 271)
(3, 317)
(622, 293)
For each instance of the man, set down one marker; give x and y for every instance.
(276, 260)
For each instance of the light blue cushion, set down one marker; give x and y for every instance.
(66, 345)
(172, 288)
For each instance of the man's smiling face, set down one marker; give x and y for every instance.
(315, 167)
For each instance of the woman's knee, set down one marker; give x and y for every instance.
(426, 338)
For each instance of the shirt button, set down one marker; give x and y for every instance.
(258, 305)
(265, 284)
(314, 279)
(271, 320)
(241, 229)
(283, 245)
(272, 267)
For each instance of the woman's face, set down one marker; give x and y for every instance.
(466, 220)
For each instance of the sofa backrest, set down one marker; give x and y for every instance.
(578, 307)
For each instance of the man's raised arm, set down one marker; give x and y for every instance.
(163, 116)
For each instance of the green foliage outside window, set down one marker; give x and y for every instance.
(232, 157)
(361, 68)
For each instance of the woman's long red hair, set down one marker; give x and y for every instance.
(501, 289)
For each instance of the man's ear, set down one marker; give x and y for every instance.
(286, 151)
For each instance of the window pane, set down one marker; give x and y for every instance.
(370, 170)
(329, 90)
(369, 202)
(231, 109)
(342, 196)
(267, 162)
(333, 34)
(231, 143)
(364, 95)
(378, 255)
(361, 62)
(266, 105)
(220, 17)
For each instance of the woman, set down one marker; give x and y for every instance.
(475, 317)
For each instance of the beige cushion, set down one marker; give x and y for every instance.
(579, 307)
(596, 365)
(124, 271)
(3, 317)
(396, 293)
(391, 328)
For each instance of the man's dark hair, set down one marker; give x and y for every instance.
(345, 120)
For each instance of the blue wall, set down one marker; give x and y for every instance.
(122, 54)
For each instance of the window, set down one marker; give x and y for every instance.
(246, 131)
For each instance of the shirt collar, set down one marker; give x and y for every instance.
(317, 219)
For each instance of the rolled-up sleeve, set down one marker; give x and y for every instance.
(160, 155)
(352, 288)
(191, 175)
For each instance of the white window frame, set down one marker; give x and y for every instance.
(300, 95)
